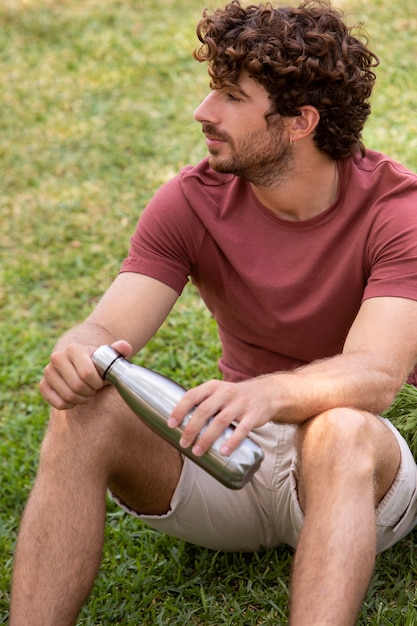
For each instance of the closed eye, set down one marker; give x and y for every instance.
(233, 97)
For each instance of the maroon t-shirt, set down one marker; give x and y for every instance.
(284, 293)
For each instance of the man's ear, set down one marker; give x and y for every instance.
(304, 124)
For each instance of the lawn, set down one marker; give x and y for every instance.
(96, 113)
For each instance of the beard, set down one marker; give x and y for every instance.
(262, 157)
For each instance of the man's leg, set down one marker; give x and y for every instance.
(61, 536)
(348, 461)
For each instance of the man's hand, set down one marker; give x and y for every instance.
(248, 404)
(71, 378)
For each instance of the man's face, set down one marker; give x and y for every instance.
(239, 138)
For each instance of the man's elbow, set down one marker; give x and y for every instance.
(391, 383)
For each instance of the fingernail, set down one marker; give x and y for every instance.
(225, 450)
(183, 443)
(172, 422)
(197, 450)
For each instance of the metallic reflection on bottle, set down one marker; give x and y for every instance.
(153, 396)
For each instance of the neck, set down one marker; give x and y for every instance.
(306, 191)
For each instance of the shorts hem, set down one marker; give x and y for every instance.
(178, 502)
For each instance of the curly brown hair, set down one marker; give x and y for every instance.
(301, 56)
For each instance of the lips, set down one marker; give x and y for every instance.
(213, 142)
(214, 137)
(211, 136)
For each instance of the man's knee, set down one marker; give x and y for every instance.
(336, 445)
(347, 446)
(106, 442)
(87, 431)
(337, 432)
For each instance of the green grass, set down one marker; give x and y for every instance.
(96, 112)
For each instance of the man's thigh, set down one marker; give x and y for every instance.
(206, 513)
(266, 512)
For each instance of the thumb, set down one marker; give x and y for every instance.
(123, 347)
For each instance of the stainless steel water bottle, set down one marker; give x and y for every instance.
(153, 396)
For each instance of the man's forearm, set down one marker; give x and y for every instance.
(88, 333)
(353, 380)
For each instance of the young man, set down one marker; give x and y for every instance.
(304, 246)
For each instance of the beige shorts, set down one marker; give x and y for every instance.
(266, 513)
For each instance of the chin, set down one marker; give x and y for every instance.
(219, 166)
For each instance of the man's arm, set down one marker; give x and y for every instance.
(379, 353)
(131, 310)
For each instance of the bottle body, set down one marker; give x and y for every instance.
(152, 397)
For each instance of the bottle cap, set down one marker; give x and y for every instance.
(103, 358)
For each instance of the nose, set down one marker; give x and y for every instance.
(207, 111)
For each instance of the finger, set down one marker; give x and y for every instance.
(53, 397)
(80, 372)
(199, 421)
(188, 403)
(214, 430)
(67, 385)
(240, 432)
(123, 347)
(206, 409)
(75, 367)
